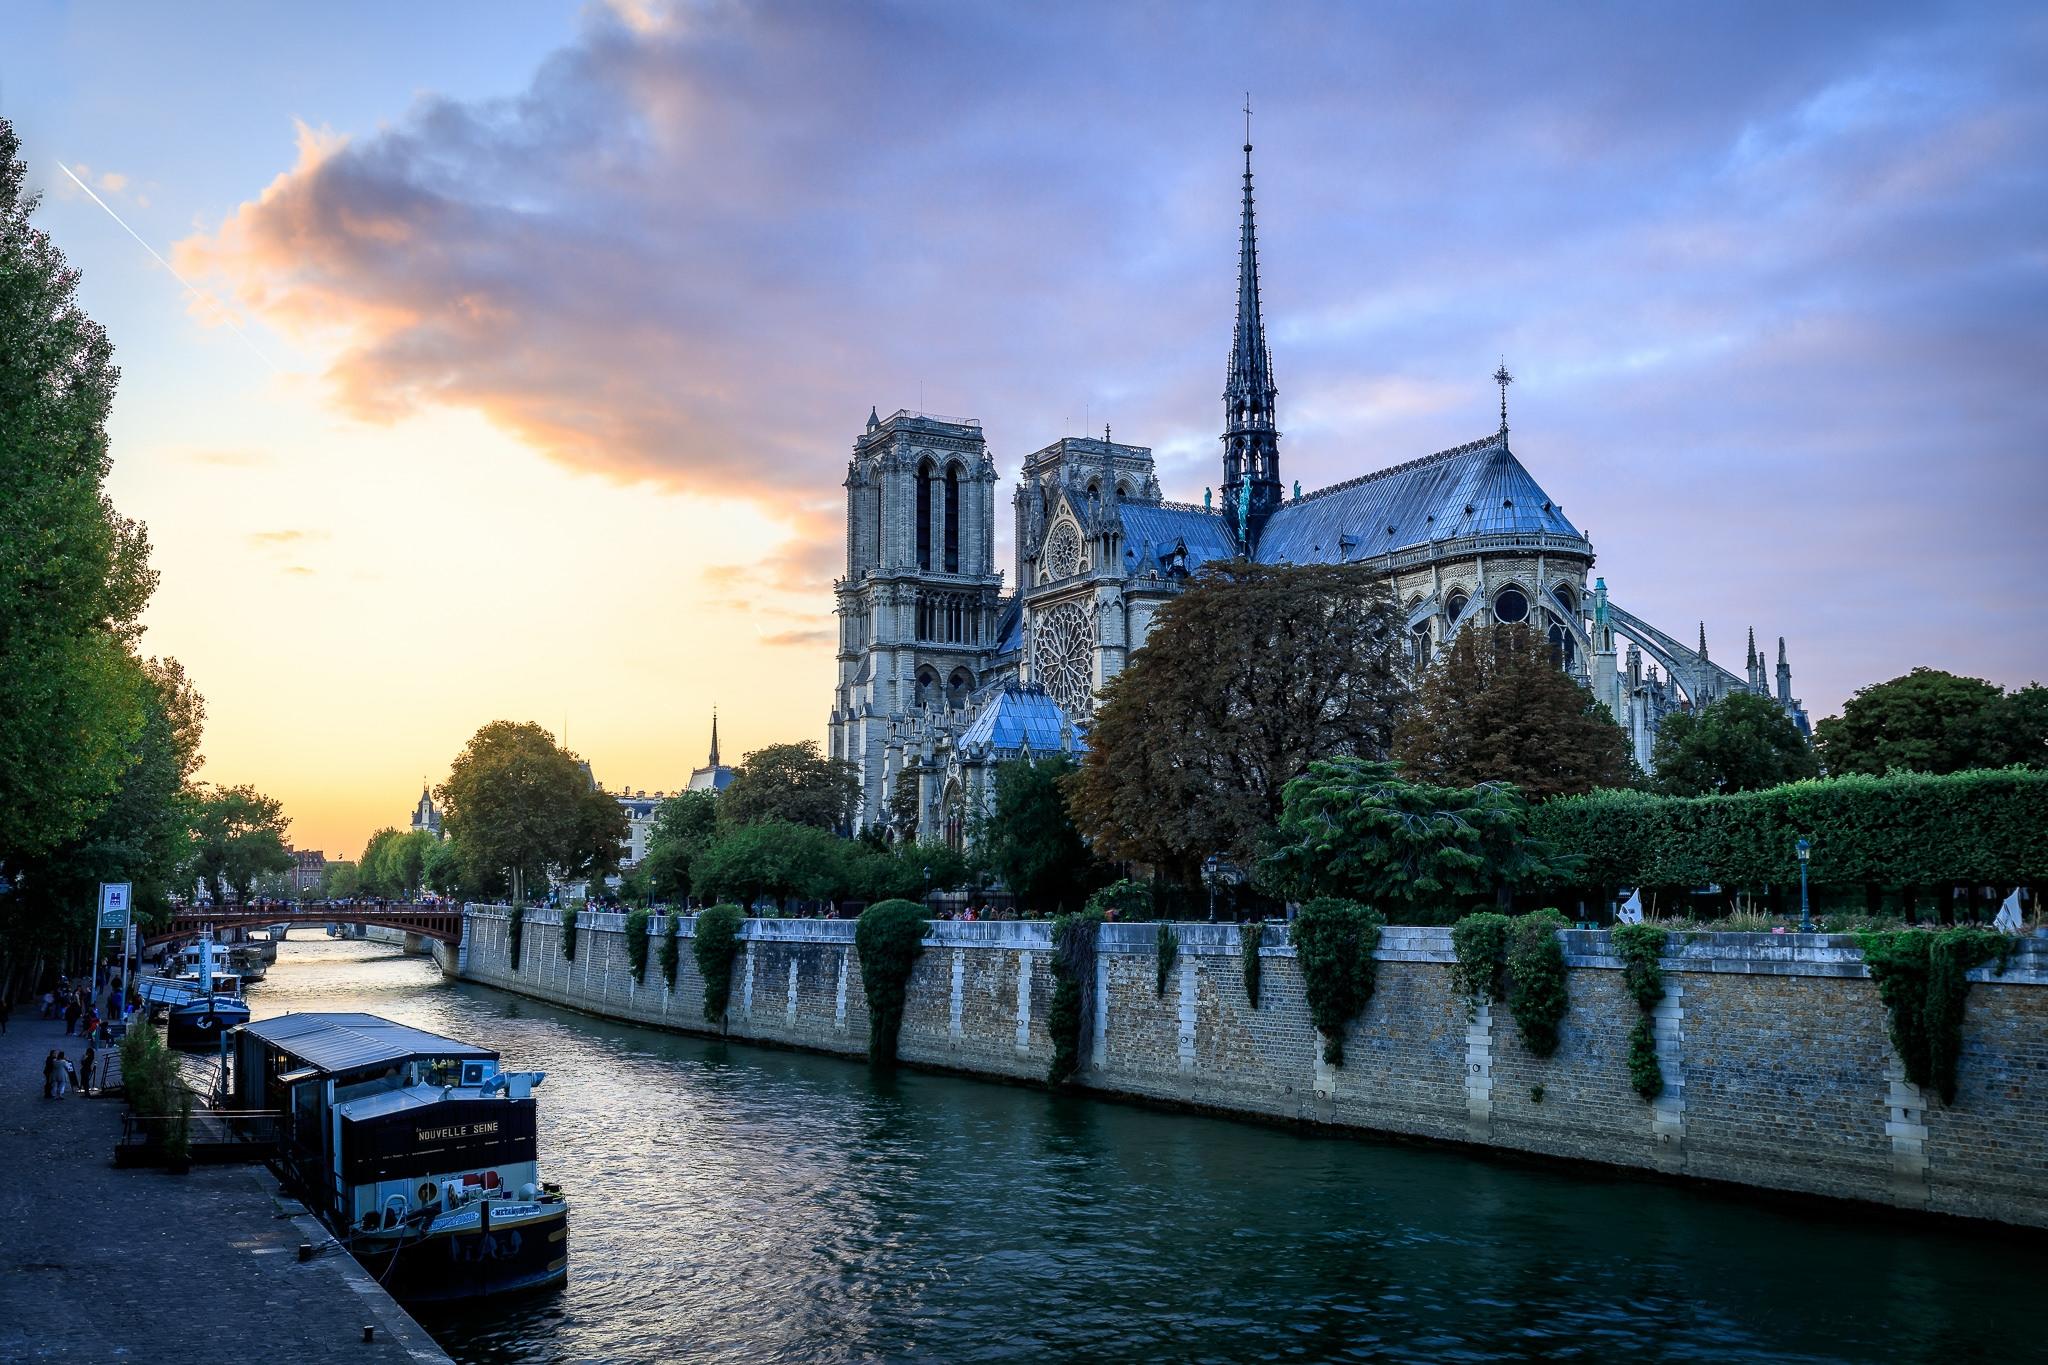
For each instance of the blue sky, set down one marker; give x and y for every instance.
(624, 281)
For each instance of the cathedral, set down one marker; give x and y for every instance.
(943, 674)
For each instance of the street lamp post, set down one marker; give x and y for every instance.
(1805, 851)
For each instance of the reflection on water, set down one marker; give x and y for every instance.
(734, 1203)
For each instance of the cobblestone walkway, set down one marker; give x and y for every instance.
(98, 1264)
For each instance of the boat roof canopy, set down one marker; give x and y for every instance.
(410, 1097)
(351, 1042)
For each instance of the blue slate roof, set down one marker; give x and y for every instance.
(1016, 718)
(1476, 489)
(1151, 533)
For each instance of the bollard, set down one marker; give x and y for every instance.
(369, 1334)
(305, 1251)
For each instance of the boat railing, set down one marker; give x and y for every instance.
(212, 1135)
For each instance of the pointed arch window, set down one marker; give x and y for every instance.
(924, 515)
(952, 518)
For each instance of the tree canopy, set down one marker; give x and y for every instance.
(1741, 743)
(1030, 839)
(516, 802)
(1249, 675)
(1495, 707)
(1930, 721)
(238, 834)
(791, 782)
(683, 825)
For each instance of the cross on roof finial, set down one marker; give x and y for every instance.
(1105, 433)
(1503, 378)
(1247, 119)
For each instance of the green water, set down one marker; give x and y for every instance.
(734, 1203)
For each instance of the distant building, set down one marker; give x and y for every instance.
(713, 776)
(309, 868)
(425, 816)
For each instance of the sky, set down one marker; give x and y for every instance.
(503, 361)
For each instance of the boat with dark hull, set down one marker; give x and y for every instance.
(416, 1150)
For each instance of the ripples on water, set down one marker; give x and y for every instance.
(737, 1203)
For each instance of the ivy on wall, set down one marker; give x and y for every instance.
(716, 945)
(1073, 975)
(1640, 946)
(1250, 936)
(890, 938)
(636, 942)
(1520, 960)
(515, 933)
(671, 954)
(1334, 942)
(1168, 945)
(569, 935)
(1922, 978)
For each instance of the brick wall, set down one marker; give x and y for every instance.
(1778, 1069)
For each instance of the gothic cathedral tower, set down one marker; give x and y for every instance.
(917, 607)
(1251, 440)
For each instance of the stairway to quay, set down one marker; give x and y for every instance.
(101, 1264)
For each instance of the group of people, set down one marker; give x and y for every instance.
(60, 1073)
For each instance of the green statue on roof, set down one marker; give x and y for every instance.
(1244, 513)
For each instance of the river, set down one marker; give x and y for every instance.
(737, 1203)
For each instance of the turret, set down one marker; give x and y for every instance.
(1784, 675)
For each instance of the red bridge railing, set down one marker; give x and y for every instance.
(441, 922)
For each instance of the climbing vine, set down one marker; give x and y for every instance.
(716, 944)
(670, 954)
(1922, 979)
(1250, 935)
(1073, 972)
(1536, 982)
(515, 933)
(1168, 951)
(636, 942)
(1481, 943)
(1334, 942)
(889, 937)
(569, 918)
(1640, 946)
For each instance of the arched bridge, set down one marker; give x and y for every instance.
(443, 922)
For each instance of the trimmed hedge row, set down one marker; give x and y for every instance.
(1906, 829)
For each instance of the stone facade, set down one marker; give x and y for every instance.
(1778, 1070)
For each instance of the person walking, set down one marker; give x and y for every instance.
(85, 1077)
(50, 1075)
(65, 1073)
(70, 1014)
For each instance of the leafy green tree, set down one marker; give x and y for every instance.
(1246, 678)
(1741, 743)
(1930, 721)
(1030, 839)
(393, 864)
(441, 868)
(518, 807)
(1418, 854)
(238, 834)
(683, 825)
(1495, 707)
(374, 872)
(771, 859)
(340, 880)
(74, 575)
(791, 782)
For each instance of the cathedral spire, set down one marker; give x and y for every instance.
(1251, 444)
(1703, 639)
(714, 737)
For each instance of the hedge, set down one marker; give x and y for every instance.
(1903, 830)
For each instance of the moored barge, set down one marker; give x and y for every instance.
(417, 1151)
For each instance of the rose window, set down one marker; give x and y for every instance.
(1062, 551)
(1063, 657)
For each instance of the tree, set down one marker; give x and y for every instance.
(1248, 676)
(340, 880)
(441, 868)
(1418, 854)
(1930, 721)
(1741, 743)
(683, 825)
(1029, 837)
(792, 782)
(518, 807)
(373, 868)
(1495, 707)
(773, 859)
(74, 575)
(238, 834)
(394, 864)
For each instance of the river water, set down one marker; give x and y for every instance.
(736, 1203)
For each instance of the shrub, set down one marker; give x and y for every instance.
(1334, 942)
(1536, 980)
(1481, 943)
(1645, 1073)
(636, 942)
(1073, 971)
(1921, 978)
(890, 937)
(1250, 936)
(569, 918)
(1124, 900)
(670, 954)
(716, 944)
(1168, 946)
(1640, 946)
(516, 933)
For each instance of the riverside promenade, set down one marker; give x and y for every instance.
(99, 1264)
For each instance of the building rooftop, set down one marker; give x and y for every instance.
(353, 1042)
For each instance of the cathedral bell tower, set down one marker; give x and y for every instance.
(1251, 440)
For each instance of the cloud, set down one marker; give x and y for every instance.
(798, 637)
(298, 570)
(275, 539)
(231, 459)
(1770, 277)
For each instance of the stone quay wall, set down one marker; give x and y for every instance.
(1779, 1071)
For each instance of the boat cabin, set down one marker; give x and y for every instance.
(382, 1121)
